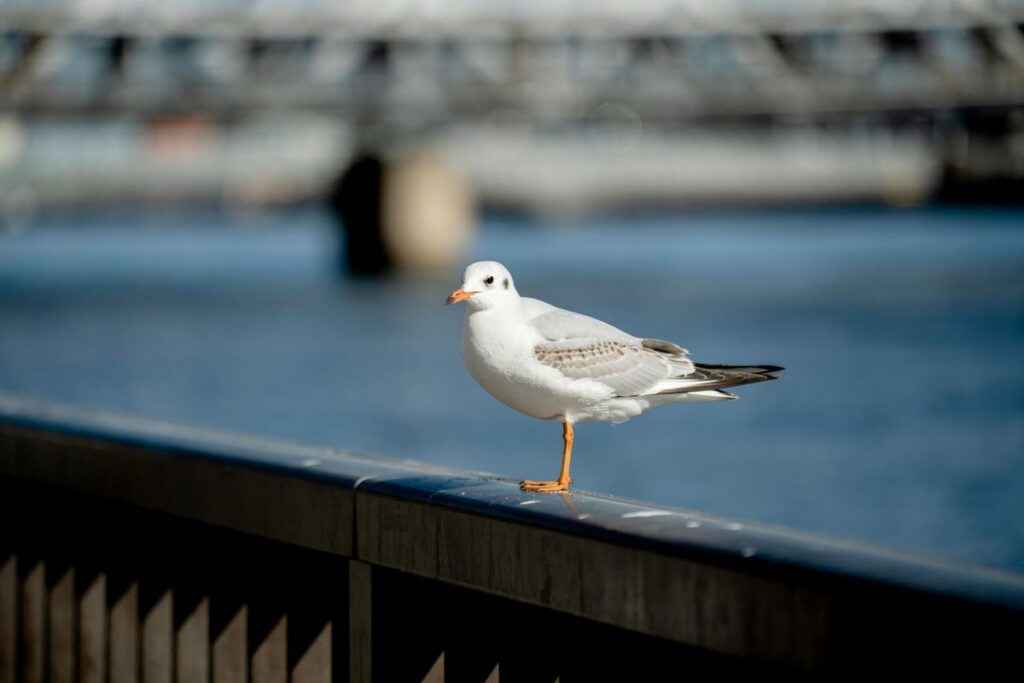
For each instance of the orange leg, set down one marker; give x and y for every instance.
(563, 476)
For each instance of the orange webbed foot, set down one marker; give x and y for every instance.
(544, 486)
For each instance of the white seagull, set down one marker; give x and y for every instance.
(554, 364)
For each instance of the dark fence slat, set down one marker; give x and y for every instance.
(192, 639)
(61, 624)
(316, 598)
(313, 662)
(268, 661)
(32, 617)
(360, 644)
(230, 659)
(157, 637)
(124, 632)
(473, 642)
(8, 617)
(409, 634)
(92, 629)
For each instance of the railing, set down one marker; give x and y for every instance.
(132, 550)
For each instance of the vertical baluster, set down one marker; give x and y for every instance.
(124, 633)
(313, 658)
(409, 629)
(92, 629)
(471, 650)
(158, 636)
(8, 619)
(435, 674)
(227, 571)
(192, 653)
(269, 660)
(360, 625)
(268, 619)
(317, 624)
(230, 637)
(32, 631)
(61, 624)
(531, 643)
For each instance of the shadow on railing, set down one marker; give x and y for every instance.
(133, 550)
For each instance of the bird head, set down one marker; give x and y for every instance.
(485, 284)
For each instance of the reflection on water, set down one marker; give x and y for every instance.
(898, 420)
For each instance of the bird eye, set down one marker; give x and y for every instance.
(489, 280)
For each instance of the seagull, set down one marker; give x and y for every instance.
(555, 364)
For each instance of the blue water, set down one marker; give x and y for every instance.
(899, 420)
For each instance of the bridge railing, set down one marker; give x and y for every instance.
(133, 550)
(367, 61)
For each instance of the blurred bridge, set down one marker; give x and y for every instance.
(412, 64)
(545, 107)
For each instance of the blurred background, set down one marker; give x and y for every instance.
(246, 215)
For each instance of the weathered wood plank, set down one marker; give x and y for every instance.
(716, 608)
(314, 663)
(61, 625)
(92, 630)
(8, 618)
(158, 638)
(292, 509)
(124, 633)
(191, 645)
(32, 626)
(435, 674)
(230, 657)
(410, 627)
(473, 628)
(360, 628)
(269, 659)
(317, 616)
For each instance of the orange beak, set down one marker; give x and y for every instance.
(458, 295)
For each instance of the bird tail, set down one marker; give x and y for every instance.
(754, 373)
(714, 378)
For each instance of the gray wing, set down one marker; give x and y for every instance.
(626, 369)
(557, 324)
(581, 347)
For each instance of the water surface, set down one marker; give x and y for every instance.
(900, 418)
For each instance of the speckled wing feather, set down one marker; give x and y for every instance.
(627, 369)
(581, 347)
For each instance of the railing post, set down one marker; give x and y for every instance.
(92, 628)
(124, 630)
(32, 617)
(61, 623)
(191, 647)
(360, 625)
(157, 634)
(8, 618)
(230, 662)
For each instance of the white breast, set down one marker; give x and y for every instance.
(498, 350)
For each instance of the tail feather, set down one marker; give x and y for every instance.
(767, 371)
(707, 377)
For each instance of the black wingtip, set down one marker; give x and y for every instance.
(753, 369)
